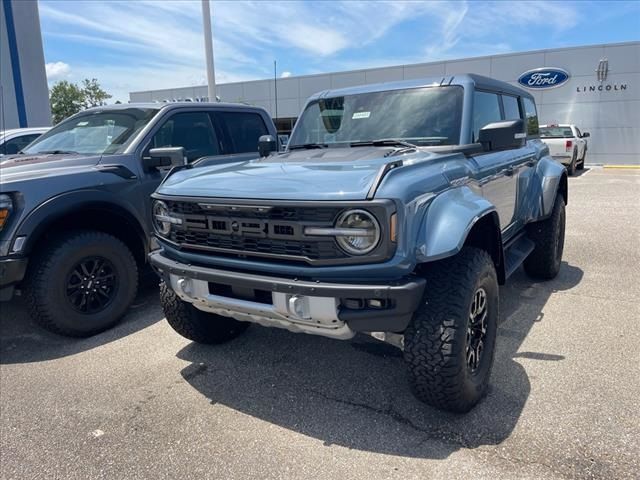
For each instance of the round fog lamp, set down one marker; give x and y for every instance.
(160, 211)
(366, 232)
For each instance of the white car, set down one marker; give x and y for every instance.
(14, 140)
(566, 144)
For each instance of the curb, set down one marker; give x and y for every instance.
(634, 167)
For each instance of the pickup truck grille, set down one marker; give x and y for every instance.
(269, 232)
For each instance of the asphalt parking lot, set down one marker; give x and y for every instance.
(141, 402)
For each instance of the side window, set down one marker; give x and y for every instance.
(532, 117)
(486, 109)
(14, 145)
(193, 131)
(244, 130)
(511, 108)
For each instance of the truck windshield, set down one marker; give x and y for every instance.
(94, 133)
(421, 116)
(556, 132)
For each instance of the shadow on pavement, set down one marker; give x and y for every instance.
(22, 341)
(354, 394)
(579, 173)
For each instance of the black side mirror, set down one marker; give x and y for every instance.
(266, 145)
(585, 134)
(165, 157)
(502, 135)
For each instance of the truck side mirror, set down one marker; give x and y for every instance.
(266, 145)
(585, 134)
(502, 135)
(165, 157)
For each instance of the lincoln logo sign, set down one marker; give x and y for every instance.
(541, 78)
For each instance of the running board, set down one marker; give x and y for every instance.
(515, 253)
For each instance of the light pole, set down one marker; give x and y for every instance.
(208, 50)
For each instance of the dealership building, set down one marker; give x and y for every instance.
(600, 94)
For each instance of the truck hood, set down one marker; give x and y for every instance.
(327, 174)
(15, 168)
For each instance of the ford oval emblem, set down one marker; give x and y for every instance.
(541, 78)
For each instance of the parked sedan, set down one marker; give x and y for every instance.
(13, 141)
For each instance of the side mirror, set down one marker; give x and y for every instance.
(166, 157)
(585, 135)
(502, 135)
(266, 145)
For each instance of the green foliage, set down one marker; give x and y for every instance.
(67, 98)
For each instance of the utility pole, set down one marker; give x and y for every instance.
(208, 50)
(275, 86)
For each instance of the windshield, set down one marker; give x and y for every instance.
(558, 132)
(94, 133)
(422, 116)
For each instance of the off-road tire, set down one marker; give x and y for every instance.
(548, 235)
(584, 158)
(196, 325)
(45, 287)
(571, 168)
(435, 341)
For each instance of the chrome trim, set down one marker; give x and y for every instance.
(169, 219)
(339, 232)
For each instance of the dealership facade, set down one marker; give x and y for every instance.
(601, 93)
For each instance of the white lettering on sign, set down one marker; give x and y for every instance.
(542, 78)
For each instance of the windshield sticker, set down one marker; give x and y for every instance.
(360, 115)
(82, 124)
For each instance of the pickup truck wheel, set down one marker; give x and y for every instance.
(571, 168)
(196, 325)
(81, 283)
(449, 344)
(584, 158)
(548, 236)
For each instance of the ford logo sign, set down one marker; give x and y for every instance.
(541, 78)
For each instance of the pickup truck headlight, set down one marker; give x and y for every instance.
(358, 232)
(6, 207)
(162, 218)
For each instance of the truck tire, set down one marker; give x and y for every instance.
(449, 344)
(584, 158)
(571, 168)
(548, 236)
(81, 283)
(196, 325)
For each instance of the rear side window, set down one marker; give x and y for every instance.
(511, 108)
(18, 143)
(486, 109)
(193, 131)
(244, 129)
(532, 117)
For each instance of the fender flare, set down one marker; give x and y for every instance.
(447, 223)
(56, 208)
(551, 177)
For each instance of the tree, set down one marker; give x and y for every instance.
(66, 100)
(94, 95)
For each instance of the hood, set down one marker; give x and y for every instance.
(26, 167)
(322, 174)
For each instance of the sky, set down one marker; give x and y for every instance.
(144, 44)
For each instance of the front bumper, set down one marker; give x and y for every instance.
(12, 271)
(298, 305)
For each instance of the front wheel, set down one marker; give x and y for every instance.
(196, 325)
(449, 344)
(81, 283)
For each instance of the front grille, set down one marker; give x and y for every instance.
(262, 231)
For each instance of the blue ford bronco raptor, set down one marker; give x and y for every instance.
(396, 210)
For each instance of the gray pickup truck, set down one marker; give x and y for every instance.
(75, 221)
(397, 210)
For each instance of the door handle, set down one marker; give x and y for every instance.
(509, 171)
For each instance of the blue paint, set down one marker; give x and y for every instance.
(15, 63)
(543, 78)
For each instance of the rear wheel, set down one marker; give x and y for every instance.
(81, 283)
(571, 168)
(584, 157)
(548, 235)
(196, 325)
(449, 344)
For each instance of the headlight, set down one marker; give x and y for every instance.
(359, 232)
(6, 207)
(162, 218)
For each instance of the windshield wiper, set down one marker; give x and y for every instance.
(383, 142)
(56, 152)
(307, 146)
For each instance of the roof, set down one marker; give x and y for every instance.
(468, 80)
(173, 105)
